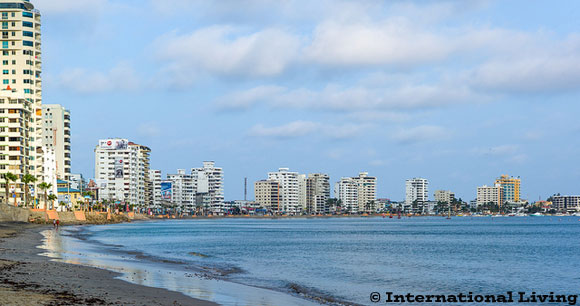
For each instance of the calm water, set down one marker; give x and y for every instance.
(349, 258)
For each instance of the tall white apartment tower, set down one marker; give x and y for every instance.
(209, 186)
(367, 192)
(289, 189)
(346, 190)
(417, 189)
(56, 135)
(317, 193)
(155, 176)
(21, 149)
(122, 171)
(183, 189)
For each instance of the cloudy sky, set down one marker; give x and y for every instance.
(458, 92)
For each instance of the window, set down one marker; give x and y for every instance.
(4, 44)
(5, 15)
(27, 14)
(5, 71)
(5, 82)
(4, 62)
(28, 43)
(27, 24)
(26, 90)
(5, 53)
(4, 25)
(28, 34)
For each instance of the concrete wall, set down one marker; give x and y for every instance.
(10, 213)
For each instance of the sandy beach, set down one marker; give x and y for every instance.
(26, 278)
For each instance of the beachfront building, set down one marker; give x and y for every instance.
(288, 189)
(444, 196)
(317, 193)
(57, 136)
(416, 189)
(267, 194)
(346, 190)
(488, 194)
(155, 176)
(302, 192)
(121, 171)
(566, 204)
(68, 197)
(367, 192)
(21, 149)
(509, 189)
(209, 190)
(183, 192)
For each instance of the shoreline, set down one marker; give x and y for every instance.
(29, 278)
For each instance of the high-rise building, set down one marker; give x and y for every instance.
(509, 189)
(183, 190)
(122, 171)
(417, 189)
(302, 202)
(267, 194)
(488, 194)
(367, 192)
(21, 149)
(56, 135)
(346, 190)
(444, 196)
(317, 193)
(288, 189)
(208, 184)
(155, 176)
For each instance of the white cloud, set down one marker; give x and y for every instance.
(225, 51)
(119, 78)
(392, 42)
(423, 133)
(304, 128)
(245, 99)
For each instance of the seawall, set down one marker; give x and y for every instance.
(10, 213)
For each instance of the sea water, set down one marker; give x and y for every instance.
(341, 260)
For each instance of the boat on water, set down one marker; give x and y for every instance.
(537, 215)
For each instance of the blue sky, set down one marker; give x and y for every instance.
(458, 92)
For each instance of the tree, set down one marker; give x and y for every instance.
(45, 186)
(52, 198)
(27, 179)
(8, 177)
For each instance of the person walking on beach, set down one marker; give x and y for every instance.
(54, 224)
(57, 223)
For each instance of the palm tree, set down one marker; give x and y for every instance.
(52, 198)
(27, 179)
(45, 186)
(8, 177)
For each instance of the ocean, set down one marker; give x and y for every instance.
(334, 261)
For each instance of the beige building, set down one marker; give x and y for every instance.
(267, 194)
(317, 193)
(487, 194)
(444, 196)
(56, 135)
(367, 192)
(21, 93)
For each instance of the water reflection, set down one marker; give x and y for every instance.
(60, 246)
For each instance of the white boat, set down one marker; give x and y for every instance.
(537, 215)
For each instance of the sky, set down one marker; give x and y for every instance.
(458, 92)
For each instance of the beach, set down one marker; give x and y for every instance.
(27, 278)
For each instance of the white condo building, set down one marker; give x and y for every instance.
(21, 149)
(155, 176)
(122, 171)
(417, 189)
(183, 190)
(357, 194)
(57, 135)
(346, 190)
(208, 184)
(289, 190)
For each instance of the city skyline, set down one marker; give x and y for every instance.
(394, 112)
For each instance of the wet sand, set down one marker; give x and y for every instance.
(26, 278)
